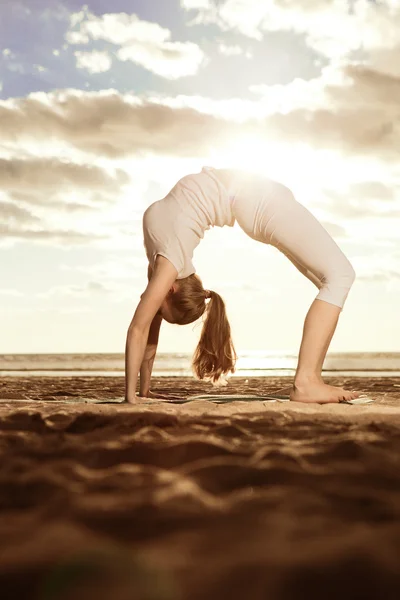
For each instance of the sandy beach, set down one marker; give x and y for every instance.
(161, 500)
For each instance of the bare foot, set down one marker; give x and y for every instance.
(320, 392)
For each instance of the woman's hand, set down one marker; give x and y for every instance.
(152, 396)
(160, 283)
(148, 394)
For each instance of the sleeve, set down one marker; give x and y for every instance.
(161, 239)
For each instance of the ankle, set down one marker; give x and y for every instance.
(302, 380)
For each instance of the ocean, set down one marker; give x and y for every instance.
(250, 364)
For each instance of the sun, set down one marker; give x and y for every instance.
(250, 153)
(295, 164)
(277, 160)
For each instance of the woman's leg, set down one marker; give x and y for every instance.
(319, 327)
(299, 235)
(276, 218)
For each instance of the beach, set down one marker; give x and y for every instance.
(198, 500)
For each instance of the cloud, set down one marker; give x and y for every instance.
(335, 29)
(110, 124)
(365, 200)
(94, 62)
(385, 275)
(11, 293)
(145, 43)
(88, 289)
(171, 60)
(377, 267)
(350, 108)
(230, 50)
(49, 174)
(122, 270)
(237, 286)
(47, 200)
(69, 297)
(12, 212)
(57, 202)
(337, 111)
(356, 112)
(196, 4)
(16, 232)
(233, 50)
(374, 190)
(52, 188)
(387, 61)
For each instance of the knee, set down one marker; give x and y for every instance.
(342, 275)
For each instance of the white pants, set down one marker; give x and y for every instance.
(268, 212)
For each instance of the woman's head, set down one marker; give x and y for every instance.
(186, 302)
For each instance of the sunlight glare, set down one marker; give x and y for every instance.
(301, 167)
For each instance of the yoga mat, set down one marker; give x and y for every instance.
(355, 401)
(270, 398)
(222, 398)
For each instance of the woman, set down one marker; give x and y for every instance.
(267, 212)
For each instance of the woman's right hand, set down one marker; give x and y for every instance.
(139, 396)
(148, 394)
(155, 396)
(160, 283)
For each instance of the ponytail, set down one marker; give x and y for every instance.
(215, 354)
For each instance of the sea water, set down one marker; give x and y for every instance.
(250, 364)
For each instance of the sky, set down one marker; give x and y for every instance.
(104, 106)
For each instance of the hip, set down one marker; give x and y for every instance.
(258, 202)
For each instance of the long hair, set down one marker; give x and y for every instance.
(215, 354)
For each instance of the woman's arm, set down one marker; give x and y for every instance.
(160, 283)
(150, 351)
(149, 356)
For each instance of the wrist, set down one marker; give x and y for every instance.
(131, 399)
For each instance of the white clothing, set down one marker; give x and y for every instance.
(266, 211)
(174, 226)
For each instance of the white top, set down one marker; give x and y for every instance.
(174, 226)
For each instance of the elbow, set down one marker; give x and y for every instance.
(136, 330)
(133, 329)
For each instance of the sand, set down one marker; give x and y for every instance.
(247, 500)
